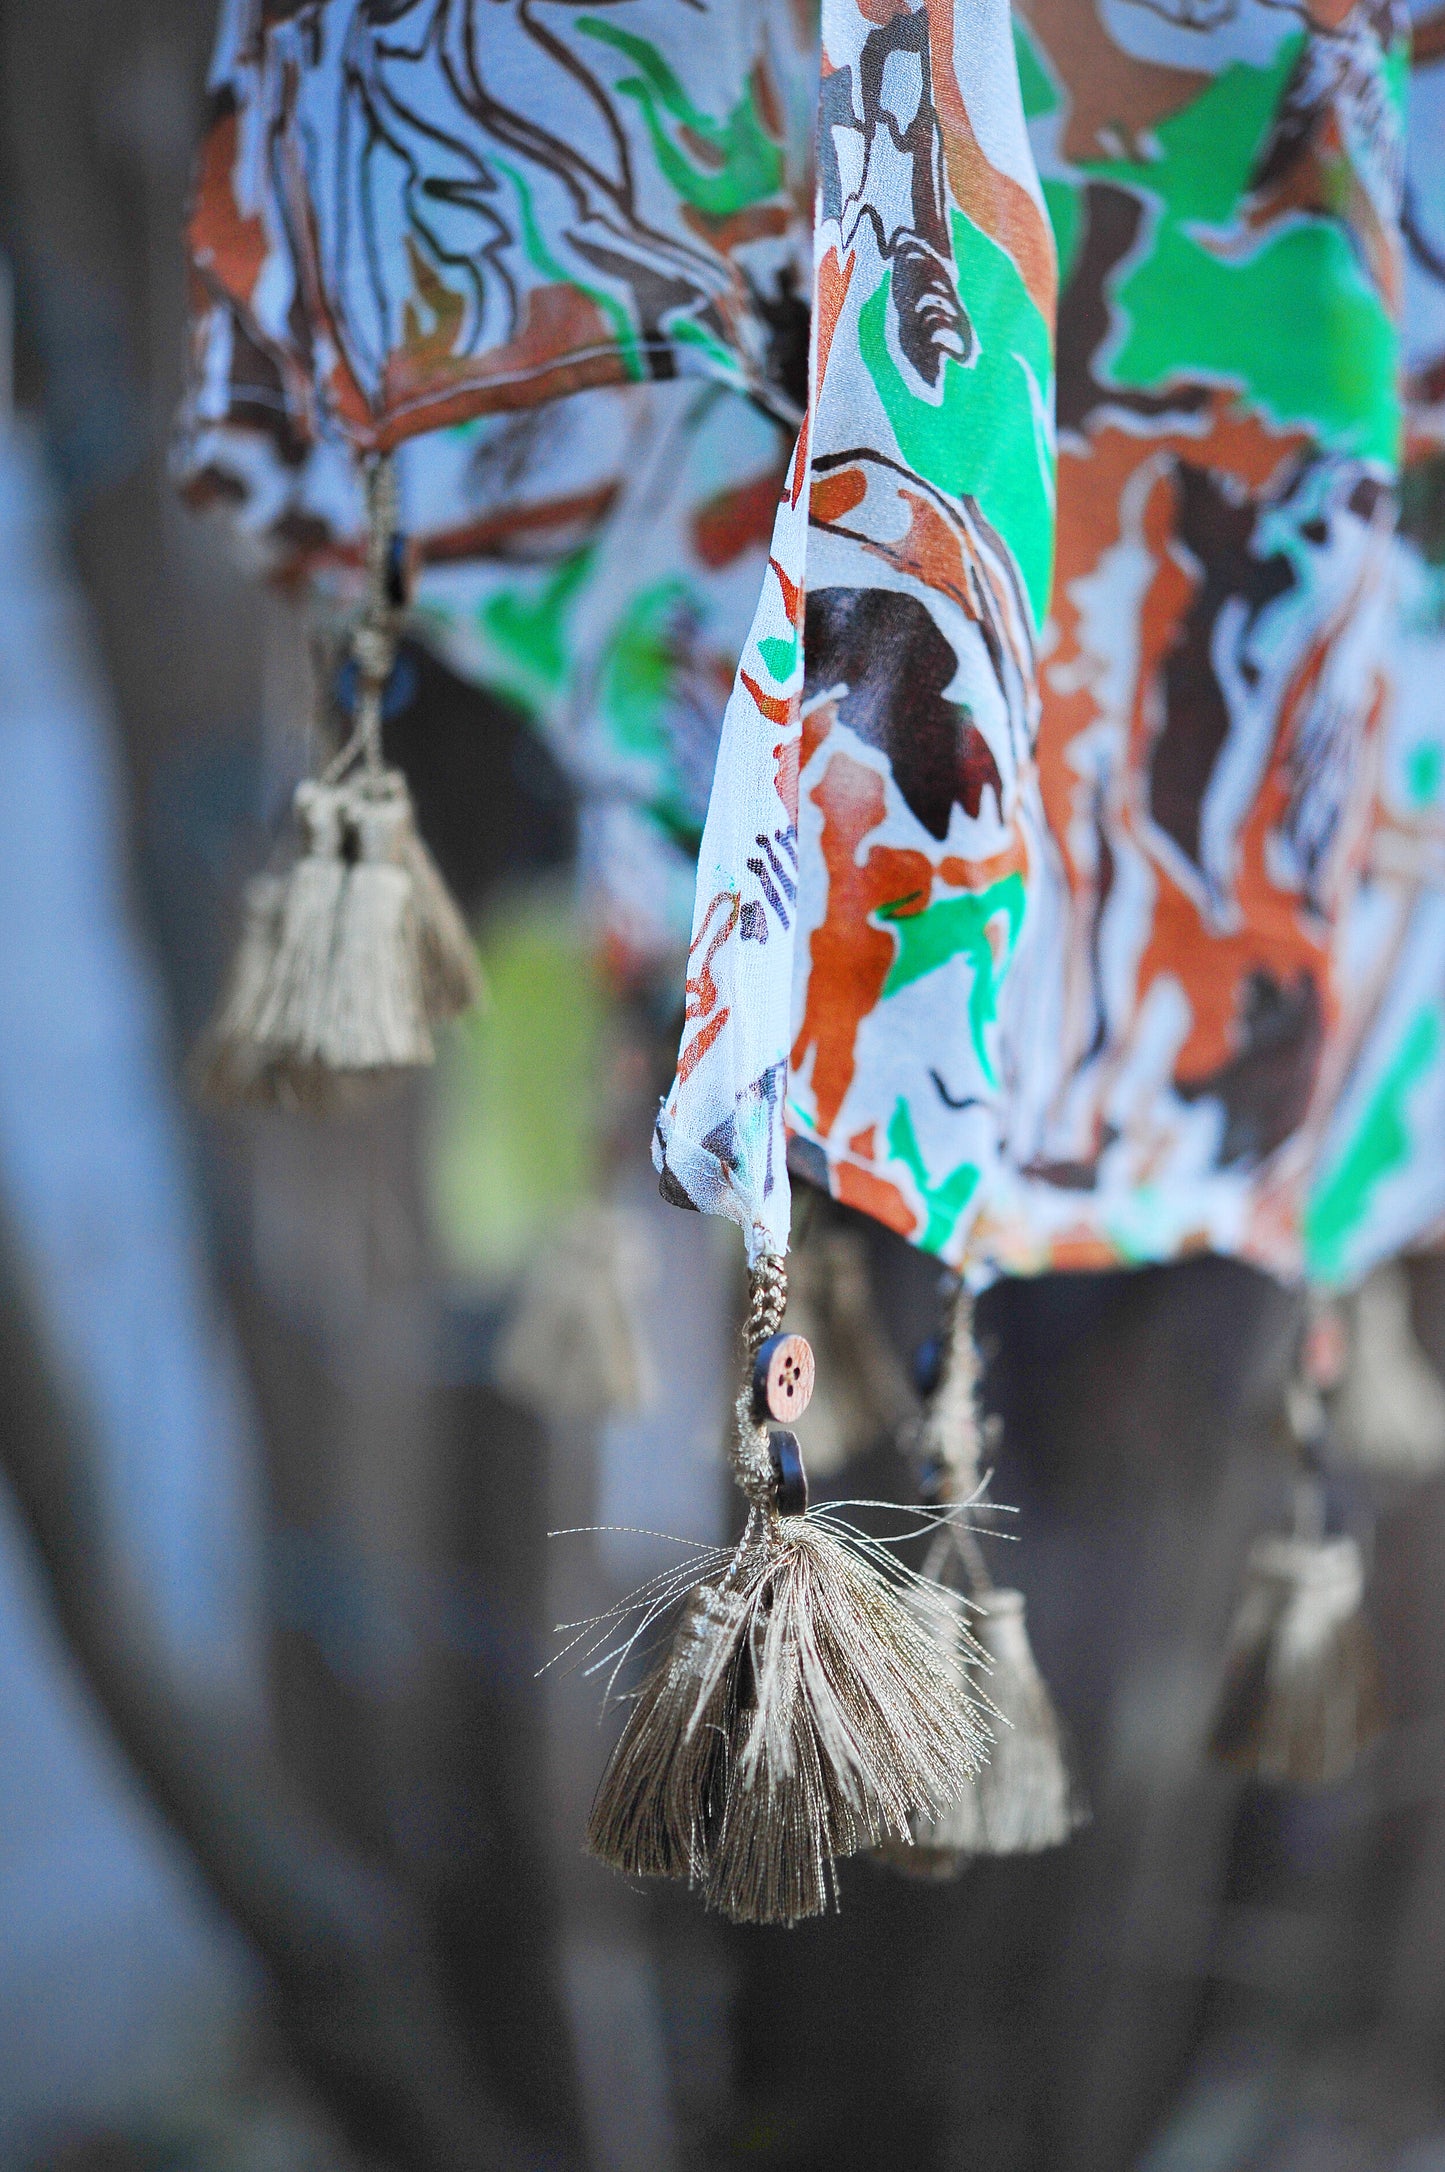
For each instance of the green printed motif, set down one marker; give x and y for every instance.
(1381, 1147)
(734, 163)
(1209, 298)
(530, 631)
(543, 260)
(943, 1202)
(958, 445)
(1424, 772)
(638, 693)
(781, 657)
(954, 927)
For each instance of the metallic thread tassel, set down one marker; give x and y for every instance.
(808, 1706)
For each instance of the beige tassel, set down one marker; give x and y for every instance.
(574, 1348)
(661, 1798)
(289, 1017)
(857, 1721)
(229, 1065)
(840, 1714)
(1027, 1797)
(1301, 1696)
(373, 1016)
(451, 975)
(1390, 1409)
(369, 951)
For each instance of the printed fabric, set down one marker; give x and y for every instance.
(1226, 188)
(867, 904)
(411, 212)
(1378, 1179)
(416, 227)
(1065, 923)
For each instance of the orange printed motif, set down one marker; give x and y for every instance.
(225, 244)
(849, 955)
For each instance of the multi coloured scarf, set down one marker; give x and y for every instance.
(1052, 925)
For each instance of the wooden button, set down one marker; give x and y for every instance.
(783, 1375)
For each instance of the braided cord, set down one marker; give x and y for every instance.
(767, 1300)
(374, 633)
(752, 1457)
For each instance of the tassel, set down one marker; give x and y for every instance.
(369, 951)
(228, 1066)
(573, 1349)
(1301, 1696)
(661, 1799)
(1027, 1797)
(836, 1713)
(373, 1014)
(290, 1016)
(855, 1722)
(1390, 1410)
(451, 977)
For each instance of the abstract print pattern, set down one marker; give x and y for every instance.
(1379, 1177)
(415, 227)
(412, 213)
(1050, 933)
(1225, 184)
(863, 925)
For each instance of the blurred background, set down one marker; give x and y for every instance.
(290, 1822)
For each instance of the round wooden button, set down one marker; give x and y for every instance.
(783, 1376)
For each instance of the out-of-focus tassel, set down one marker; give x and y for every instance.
(1301, 1696)
(372, 1017)
(337, 986)
(818, 1666)
(291, 1013)
(1026, 1797)
(451, 977)
(574, 1347)
(1389, 1412)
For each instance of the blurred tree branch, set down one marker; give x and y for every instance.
(352, 1964)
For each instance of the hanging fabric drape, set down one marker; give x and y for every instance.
(1052, 918)
(887, 699)
(1224, 721)
(1111, 930)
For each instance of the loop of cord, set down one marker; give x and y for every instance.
(952, 1435)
